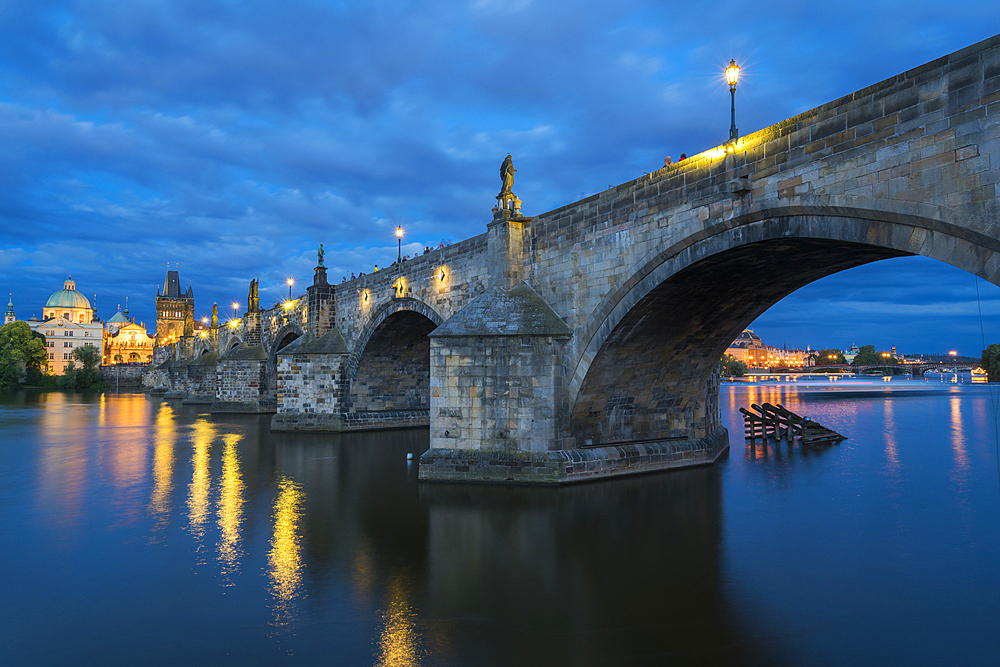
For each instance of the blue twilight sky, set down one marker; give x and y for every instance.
(232, 137)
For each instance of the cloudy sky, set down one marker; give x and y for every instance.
(232, 137)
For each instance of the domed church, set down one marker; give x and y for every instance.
(67, 323)
(69, 304)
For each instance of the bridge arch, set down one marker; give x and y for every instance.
(389, 367)
(285, 335)
(646, 362)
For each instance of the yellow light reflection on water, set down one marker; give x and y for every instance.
(285, 558)
(230, 509)
(399, 643)
(201, 481)
(957, 434)
(163, 466)
(891, 449)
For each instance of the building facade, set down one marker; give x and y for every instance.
(126, 342)
(172, 308)
(754, 353)
(67, 324)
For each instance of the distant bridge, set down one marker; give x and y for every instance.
(584, 341)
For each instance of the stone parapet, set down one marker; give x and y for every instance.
(569, 465)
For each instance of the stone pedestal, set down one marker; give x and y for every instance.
(242, 381)
(321, 303)
(310, 382)
(494, 381)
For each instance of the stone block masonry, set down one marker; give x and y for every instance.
(584, 342)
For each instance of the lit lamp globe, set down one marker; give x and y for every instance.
(732, 76)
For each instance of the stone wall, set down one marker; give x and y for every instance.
(465, 275)
(393, 372)
(123, 375)
(241, 377)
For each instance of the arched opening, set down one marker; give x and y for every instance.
(654, 375)
(393, 371)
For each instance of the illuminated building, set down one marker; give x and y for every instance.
(850, 353)
(9, 315)
(751, 350)
(172, 307)
(68, 323)
(126, 342)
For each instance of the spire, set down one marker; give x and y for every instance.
(9, 315)
(126, 308)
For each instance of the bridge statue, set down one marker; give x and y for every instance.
(215, 315)
(320, 255)
(188, 325)
(507, 178)
(253, 298)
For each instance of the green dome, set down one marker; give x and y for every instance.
(68, 297)
(118, 318)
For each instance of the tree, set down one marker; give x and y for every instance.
(730, 366)
(867, 356)
(87, 377)
(830, 356)
(21, 350)
(88, 355)
(990, 362)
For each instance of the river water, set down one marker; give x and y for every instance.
(136, 530)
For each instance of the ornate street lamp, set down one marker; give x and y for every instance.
(732, 76)
(290, 283)
(399, 244)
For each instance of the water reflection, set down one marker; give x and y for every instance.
(65, 459)
(958, 445)
(891, 453)
(399, 643)
(230, 510)
(202, 435)
(285, 557)
(165, 435)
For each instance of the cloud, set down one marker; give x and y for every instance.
(233, 137)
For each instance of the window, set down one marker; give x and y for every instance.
(66, 343)
(66, 316)
(51, 355)
(65, 356)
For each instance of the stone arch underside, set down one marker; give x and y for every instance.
(648, 368)
(392, 371)
(285, 336)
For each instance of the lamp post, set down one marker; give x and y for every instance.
(290, 283)
(732, 76)
(235, 306)
(399, 245)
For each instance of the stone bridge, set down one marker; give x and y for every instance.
(584, 342)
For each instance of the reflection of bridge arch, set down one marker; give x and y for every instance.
(389, 367)
(649, 353)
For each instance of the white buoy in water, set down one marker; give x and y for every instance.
(409, 456)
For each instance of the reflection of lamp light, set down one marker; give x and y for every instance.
(442, 274)
(288, 304)
(732, 76)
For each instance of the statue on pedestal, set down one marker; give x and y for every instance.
(320, 254)
(188, 325)
(215, 316)
(253, 298)
(507, 178)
